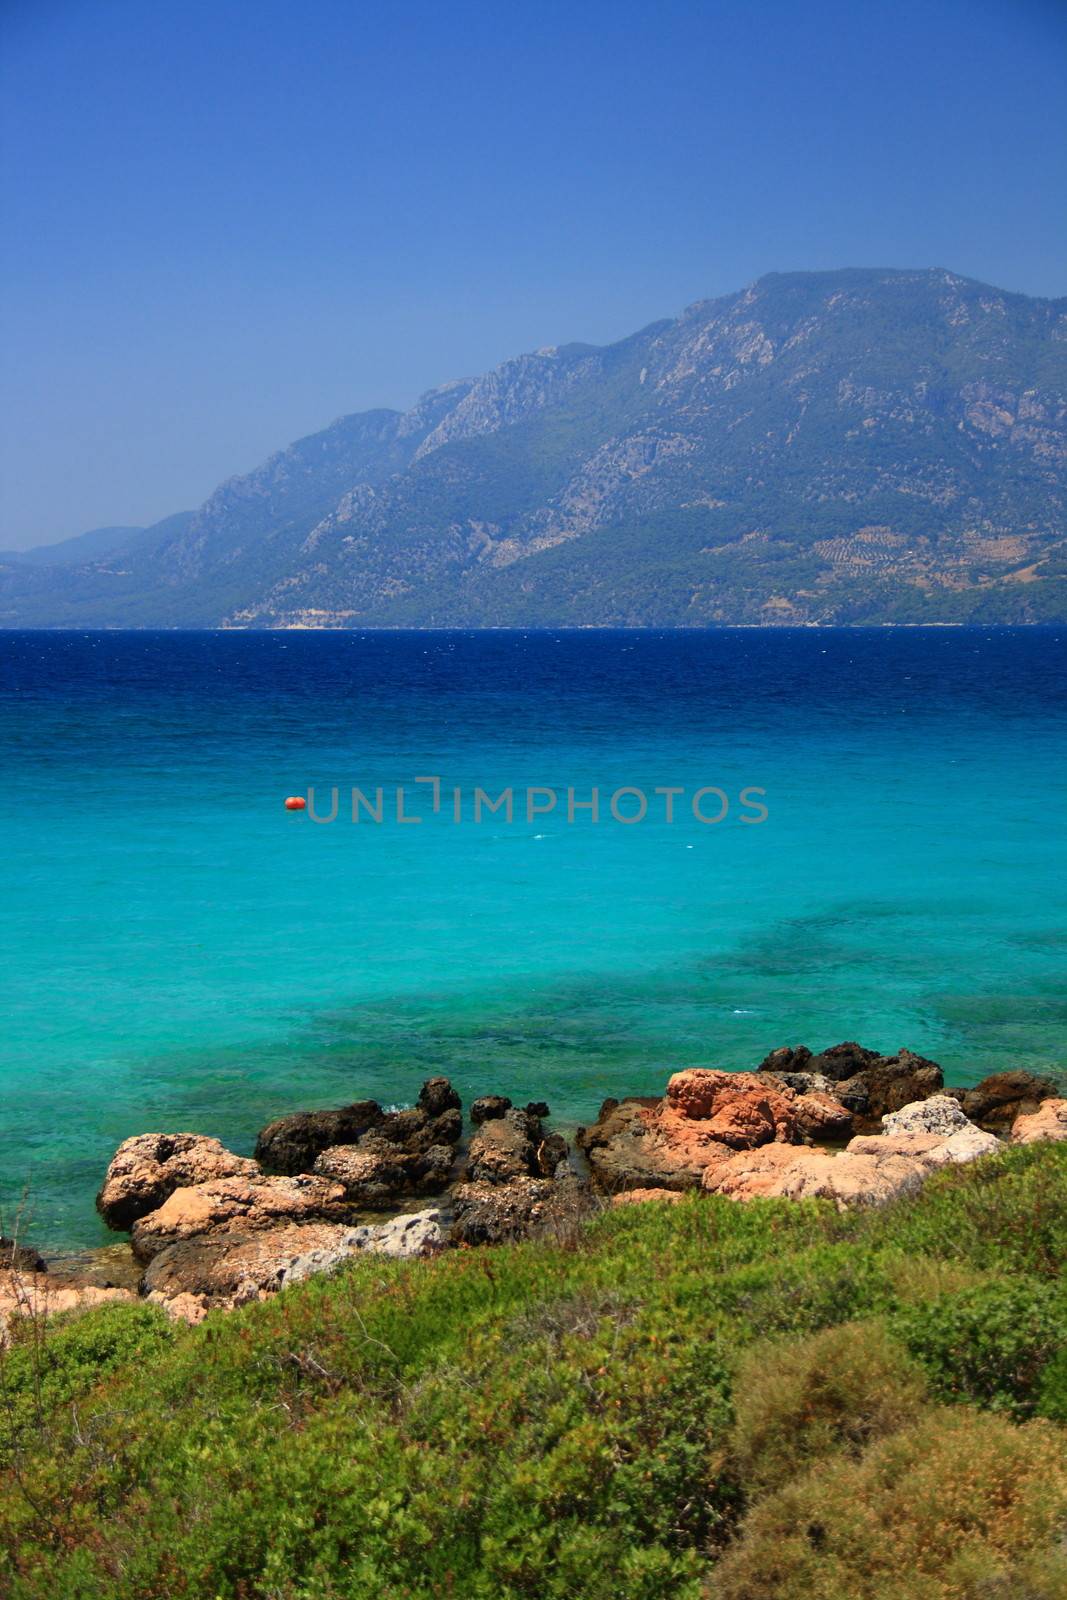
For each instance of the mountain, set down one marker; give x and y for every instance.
(841, 447)
(82, 547)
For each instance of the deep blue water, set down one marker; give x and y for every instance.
(181, 952)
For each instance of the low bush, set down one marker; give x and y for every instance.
(50, 1365)
(1052, 1389)
(798, 1292)
(1008, 1211)
(799, 1402)
(911, 1278)
(990, 1343)
(961, 1506)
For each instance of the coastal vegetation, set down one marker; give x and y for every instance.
(700, 1399)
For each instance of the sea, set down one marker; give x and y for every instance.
(800, 837)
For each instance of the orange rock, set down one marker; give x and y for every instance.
(638, 1144)
(40, 1294)
(231, 1204)
(1047, 1125)
(638, 1196)
(820, 1116)
(669, 1143)
(191, 1308)
(146, 1170)
(800, 1173)
(738, 1109)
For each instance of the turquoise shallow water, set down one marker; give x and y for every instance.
(181, 952)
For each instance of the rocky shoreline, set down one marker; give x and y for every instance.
(210, 1230)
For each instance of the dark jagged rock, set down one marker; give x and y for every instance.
(489, 1213)
(433, 1168)
(20, 1257)
(489, 1106)
(867, 1084)
(843, 1061)
(493, 1213)
(786, 1059)
(406, 1129)
(538, 1109)
(406, 1152)
(802, 1082)
(995, 1103)
(504, 1148)
(438, 1096)
(291, 1144)
(887, 1083)
(552, 1153)
(371, 1172)
(415, 1131)
(376, 1172)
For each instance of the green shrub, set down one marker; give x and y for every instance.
(1007, 1209)
(797, 1402)
(962, 1506)
(1052, 1389)
(989, 1344)
(912, 1278)
(52, 1363)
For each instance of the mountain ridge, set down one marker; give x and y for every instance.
(92, 545)
(866, 445)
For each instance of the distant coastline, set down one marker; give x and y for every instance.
(792, 453)
(548, 628)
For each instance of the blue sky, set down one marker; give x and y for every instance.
(228, 223)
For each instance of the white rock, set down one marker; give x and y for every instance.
(928, 1149)
(407, 1235)
(940, 1114)
(970, 1143)
(403, 1236)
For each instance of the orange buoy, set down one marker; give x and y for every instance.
(295, 802)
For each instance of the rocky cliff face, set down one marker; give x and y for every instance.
(859, 446)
